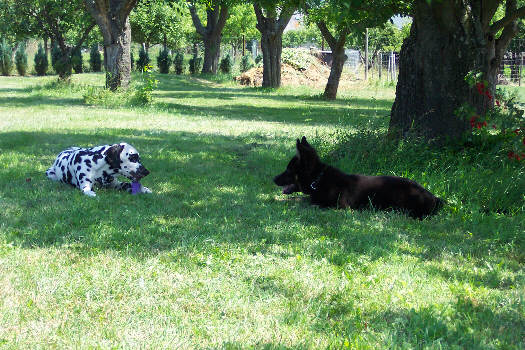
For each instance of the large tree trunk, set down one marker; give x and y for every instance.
(118, 58)
(448, 39)
(212, 54)
(271, 47)
(271, 29)
(216, 15)
(112, 17)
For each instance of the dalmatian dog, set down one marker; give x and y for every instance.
(85, 168)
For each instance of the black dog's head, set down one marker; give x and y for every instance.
(125, 159)
(299, 169)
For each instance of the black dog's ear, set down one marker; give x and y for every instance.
(113, 155)
(303, 141)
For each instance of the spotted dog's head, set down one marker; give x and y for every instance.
(125, 159)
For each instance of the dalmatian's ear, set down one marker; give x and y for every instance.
(113, 155)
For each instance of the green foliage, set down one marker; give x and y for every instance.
(303, 36)
(76, 60)
(178, 63)
(258, 59)
(132, 59)
(241, 22)
(300, 59)
(41, 63)
(164, 61)
(143, 60)
(21, 59)
(386, 37)
(246, 63)
(226, 64)
(6, 59)
(160, 22)
(95, 60)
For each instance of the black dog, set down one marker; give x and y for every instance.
(330, 187)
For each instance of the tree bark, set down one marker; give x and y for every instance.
(112, 17)
(216, 14)
(448, 39)
(338, 59)
(271, 29)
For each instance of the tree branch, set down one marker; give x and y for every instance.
(223, 16)
(510, 16)
(284, 17)
(196, 20)
(261, 20)
(327, 35)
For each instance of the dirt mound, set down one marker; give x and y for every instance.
(315, 75)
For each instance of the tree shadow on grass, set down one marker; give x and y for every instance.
(210, 191)
(467, 324)
(184, 87)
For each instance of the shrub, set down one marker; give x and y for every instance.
(95, 61)
(195, 64)
(164, 61)
(55, 55)
(6, 60)
(143, 60)
(76, 60)
(144, 93)
(178, 63)
(41, 64)
(21, 60)
(246, 63)
(258, 59)
(61, 62)
(226, 64)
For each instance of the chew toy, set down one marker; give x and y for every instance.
(135, 187)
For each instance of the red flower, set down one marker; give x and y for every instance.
(479, 125)
(517, 131)
(484, 124)
(497, 103)
(480, 86)
(493, 126)
(510, 154)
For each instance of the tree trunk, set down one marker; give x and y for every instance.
(216, 14)
(271, 29)
(212, 54)
(112, 17)
(118, 58)
(447, 40)
(338, 60)
(271, 47)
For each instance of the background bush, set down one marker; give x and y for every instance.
(258, 59)
(76, 60)
(61, 62)
(195, 64)
(178, 62)
(226, 64)
(143, 60)
(246, 63)
(41, 63)
(95, 61)
(6, 60)
(21, 59)
(164, 61)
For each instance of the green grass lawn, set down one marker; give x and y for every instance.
(217, 257)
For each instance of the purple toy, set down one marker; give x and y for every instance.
(135, 187)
